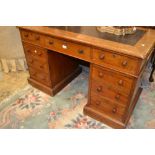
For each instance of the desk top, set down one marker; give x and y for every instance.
(137, 45)
(92, 31)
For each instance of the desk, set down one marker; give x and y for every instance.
(116, 66)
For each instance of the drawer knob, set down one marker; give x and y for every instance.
(37, 37)
(124, 63)
(41, 66)
(117, 97)
(34, 74)
(28, 51)
(64, 46)
(102, 56)
(98, 103)
(31, 61)
(50, 42)
(26, 35)
(99, 89)
(120, 82)
(100, 74)
(114, 110)
(80, 51)
(43, 78)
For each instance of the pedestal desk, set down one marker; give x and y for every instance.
(116, 66)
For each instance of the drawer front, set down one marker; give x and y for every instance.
(109, 93)
(111, 109)
(32, 37)
(40, 65)
(39, 76)
(35, 52)
(112, 79)
(66, 47)
(115, 61)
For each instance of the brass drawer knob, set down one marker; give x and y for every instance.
(117, 97)
(100, 74)
(124, 63)
(102, 56)
(64, 46)
(80, 51)
(114, 110)
(99, 89)
(120, 82)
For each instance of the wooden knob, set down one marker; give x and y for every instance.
(26, 35)
(34, 74)
(98, 103)
(37, 37)
(114, 110)
(124, 63)
(100, 74)
(80, 51)
(99, 89)
(102, 56)
(41, 66)
(50, 42)
(31, 61)
(28, 51)
(120, 82)
(43, 78)
(117, 97)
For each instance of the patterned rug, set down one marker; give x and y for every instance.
(12, 83)
(31, 108)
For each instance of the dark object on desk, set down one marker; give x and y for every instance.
(92, 31)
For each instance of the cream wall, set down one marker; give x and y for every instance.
(11, 51)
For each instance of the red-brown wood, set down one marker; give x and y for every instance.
(115, 68)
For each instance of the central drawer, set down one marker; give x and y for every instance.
(69, 48)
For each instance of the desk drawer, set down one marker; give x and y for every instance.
(35, 52)
(109, 93)
(32, 37)
(116, 61)
(112, 79)
(39, 76)
(69, 48)
(111, 109)
(40, 65)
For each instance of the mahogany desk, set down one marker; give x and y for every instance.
(116, 66)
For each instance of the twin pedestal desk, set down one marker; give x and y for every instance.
(116, 66)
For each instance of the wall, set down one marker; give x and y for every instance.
(11, 51)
